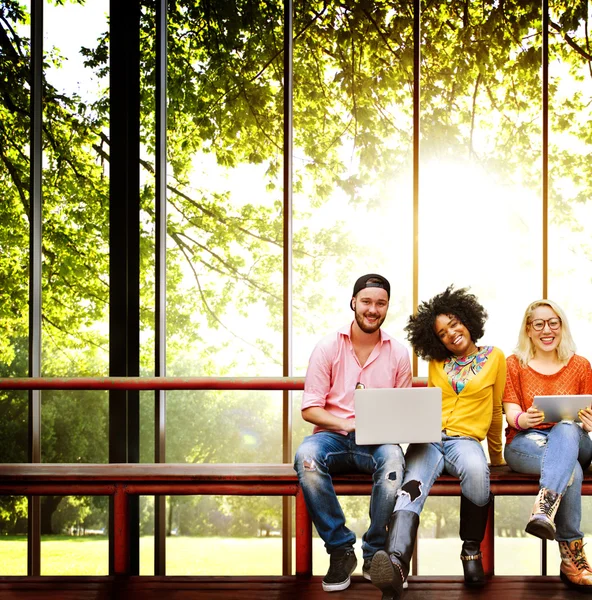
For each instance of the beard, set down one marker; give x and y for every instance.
(365, 327)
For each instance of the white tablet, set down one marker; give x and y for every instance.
(562, 408)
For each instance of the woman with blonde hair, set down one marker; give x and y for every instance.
(543, 364)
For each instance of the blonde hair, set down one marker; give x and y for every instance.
(525, 348)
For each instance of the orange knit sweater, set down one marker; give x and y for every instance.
(524, 383)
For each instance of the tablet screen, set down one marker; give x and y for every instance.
(561, 408)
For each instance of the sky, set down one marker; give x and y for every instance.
(68, 28)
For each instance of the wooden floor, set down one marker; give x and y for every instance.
(271, 588)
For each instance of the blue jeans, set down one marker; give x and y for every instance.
(559, 455)
(462, 457)
(326, 453)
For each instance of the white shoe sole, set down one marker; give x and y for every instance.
(336, 587)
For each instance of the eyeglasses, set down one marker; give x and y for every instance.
(539, 324)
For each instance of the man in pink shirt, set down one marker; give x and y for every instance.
(358, 355)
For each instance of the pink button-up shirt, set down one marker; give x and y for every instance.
(334, 371)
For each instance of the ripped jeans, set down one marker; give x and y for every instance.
(325, 453)
(462, 457)
(559, 455)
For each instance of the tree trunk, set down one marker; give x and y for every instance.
(49, 505)
(169, 525)
(438, 526)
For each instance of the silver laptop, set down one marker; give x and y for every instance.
(398, 415)
(560, 408)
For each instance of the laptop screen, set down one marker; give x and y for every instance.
(398, 415)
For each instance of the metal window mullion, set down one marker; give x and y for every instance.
(124, 247)
(545, 182)
(416, 90)
(35, 222)
(545, 142)
(416, 113)
(160, 277)
(287, 277)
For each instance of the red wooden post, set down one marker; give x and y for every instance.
(121, 526)
(303, 537)
(487, 547)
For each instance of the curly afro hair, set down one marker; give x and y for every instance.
(458, 303)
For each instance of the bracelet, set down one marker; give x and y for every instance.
(516, 424)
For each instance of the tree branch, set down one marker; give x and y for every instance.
(473, 113)
(276, 55)
(215, 316)
(381, 33)
(256, 117)
(231, 270)
(570, 41)
(69, 334)
(227, 222)
(17, 180)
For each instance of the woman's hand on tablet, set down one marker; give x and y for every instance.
(585, 416)
(533, 417)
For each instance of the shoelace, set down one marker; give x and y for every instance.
(547, 505)
(579, 557)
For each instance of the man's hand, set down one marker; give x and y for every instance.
(349, 425)
(324, 419)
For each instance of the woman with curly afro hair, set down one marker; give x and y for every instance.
(445, 331)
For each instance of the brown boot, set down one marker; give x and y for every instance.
(542, 519)
(575, 570)
(390, 567)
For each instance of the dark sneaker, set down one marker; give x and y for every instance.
(342, 565)
(366, 569)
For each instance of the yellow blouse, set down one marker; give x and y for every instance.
(477, 411)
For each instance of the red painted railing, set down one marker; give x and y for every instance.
(152, 383)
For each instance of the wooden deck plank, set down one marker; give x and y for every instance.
(271, 588)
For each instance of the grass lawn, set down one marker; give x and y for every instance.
(64, 555)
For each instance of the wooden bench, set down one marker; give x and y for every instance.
(124, 480)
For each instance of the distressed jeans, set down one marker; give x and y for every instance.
(462, 457)
(325, 453)
(560, 455)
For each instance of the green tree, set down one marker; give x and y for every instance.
(352, 74)
(352, 104)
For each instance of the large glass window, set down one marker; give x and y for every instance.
(75, 191)
(14, 255)
(353, 199)
(480, 171)
(224, 305)
(225, 140)
(570, 144)
(352, 162)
